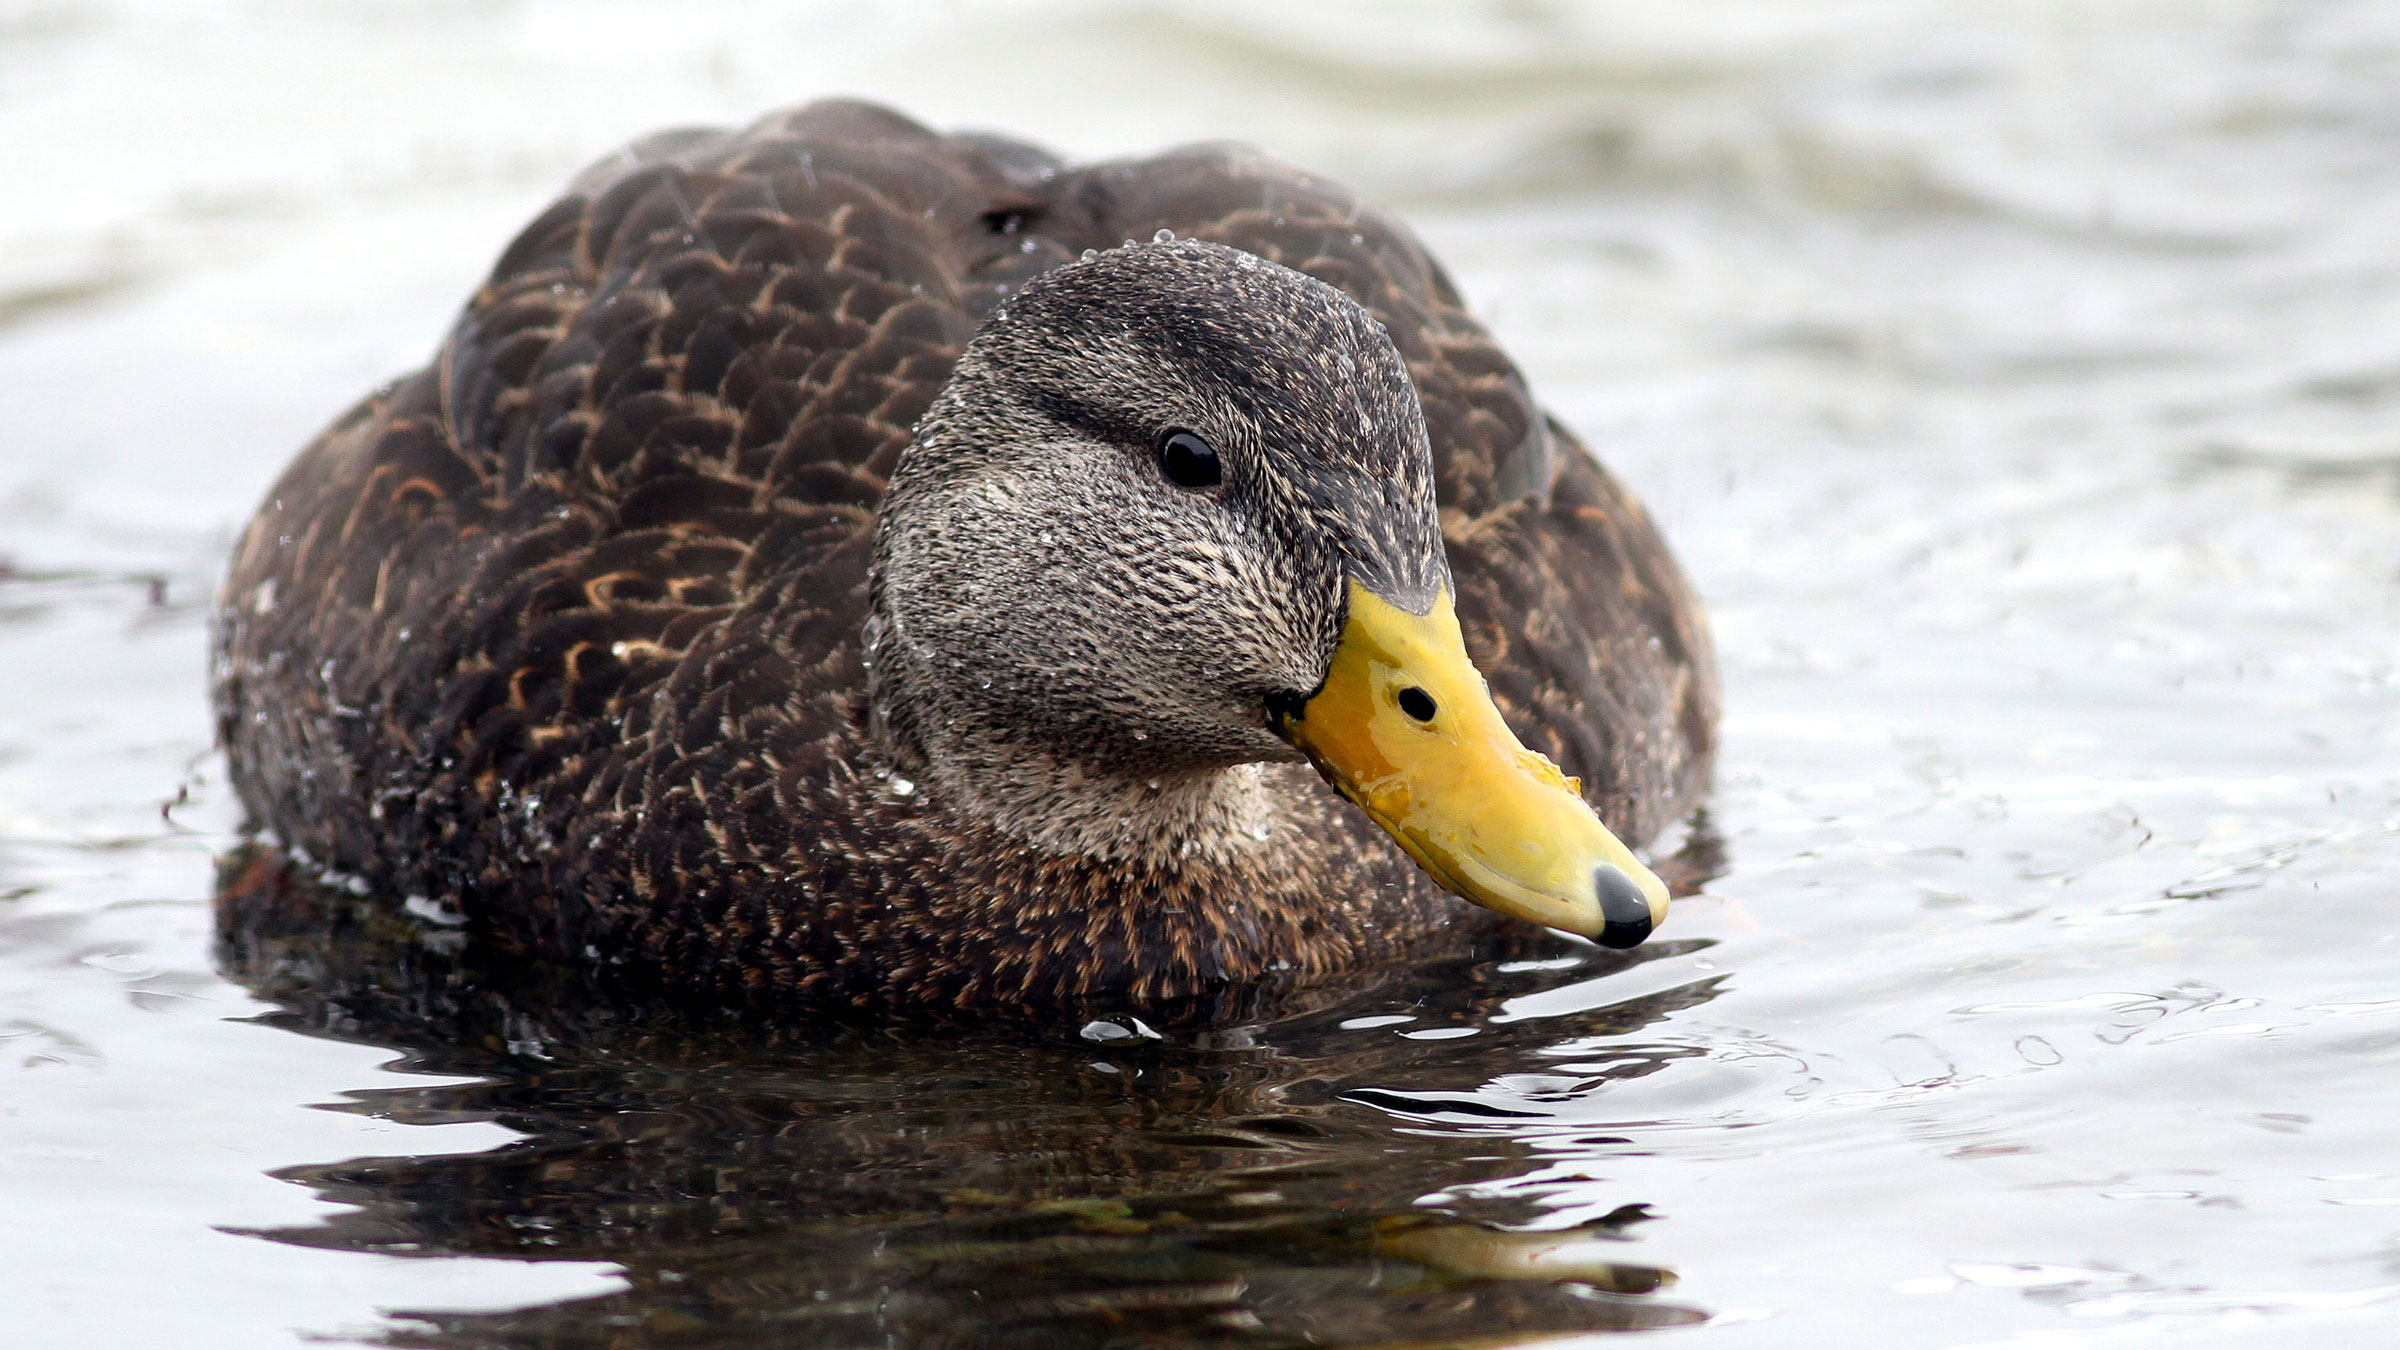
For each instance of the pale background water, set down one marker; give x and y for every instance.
(2019, 381)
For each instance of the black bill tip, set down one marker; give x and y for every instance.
(1624, 912)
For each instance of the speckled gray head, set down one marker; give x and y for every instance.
(1293, 382)
(1173, 514)
(1040, 567)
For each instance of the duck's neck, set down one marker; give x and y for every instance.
(1070, 809)
(939, 742)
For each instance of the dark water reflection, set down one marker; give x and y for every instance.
(1251, 1183)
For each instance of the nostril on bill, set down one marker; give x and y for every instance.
(1624, 912)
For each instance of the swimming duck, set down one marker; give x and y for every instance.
(838, 563)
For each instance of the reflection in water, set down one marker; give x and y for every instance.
(1249, 1184)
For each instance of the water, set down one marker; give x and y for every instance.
(2017, 381)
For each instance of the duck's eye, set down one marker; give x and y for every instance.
(1188, 461)
(1417, 703)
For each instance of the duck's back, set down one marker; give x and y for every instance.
(589, 588)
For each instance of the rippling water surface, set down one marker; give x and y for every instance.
(2018, 380)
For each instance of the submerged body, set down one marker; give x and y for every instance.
(628, 628)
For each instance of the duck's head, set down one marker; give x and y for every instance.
(1174, 515)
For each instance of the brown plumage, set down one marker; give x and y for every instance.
(569, 629)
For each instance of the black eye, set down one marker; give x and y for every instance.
(1417, 703)
(1188, 461)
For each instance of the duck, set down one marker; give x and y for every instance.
(834, 563)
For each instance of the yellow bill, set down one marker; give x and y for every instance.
(1405, 728)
